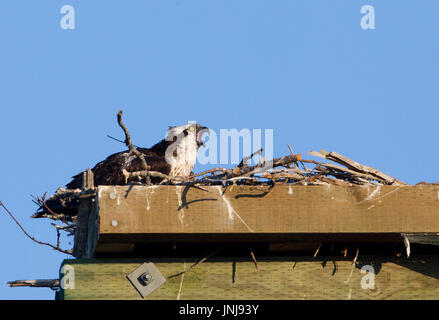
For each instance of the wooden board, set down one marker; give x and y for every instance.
(256, 210)
(276, 278)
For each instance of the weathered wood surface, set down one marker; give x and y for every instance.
(258, 210)
(85, 217)
(276, 278)
(82, 231)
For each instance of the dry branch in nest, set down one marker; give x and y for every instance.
(356, 167)
(132, 148)
(343, 172)
(279, 170)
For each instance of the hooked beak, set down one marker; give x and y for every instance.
(200, 132)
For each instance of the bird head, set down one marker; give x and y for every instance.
(190, 131)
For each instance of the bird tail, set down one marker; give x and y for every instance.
(76, 182)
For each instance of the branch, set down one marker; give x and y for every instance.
(352, 173)
(29, 236)
(46, 283)
(245, 160)
(208, 171)
(144, 173)
(254, 259)
(278, 162)
(353, 165)
(128, 142)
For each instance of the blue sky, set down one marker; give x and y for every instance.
(305, 69)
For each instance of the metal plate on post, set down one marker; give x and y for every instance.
(146, 279)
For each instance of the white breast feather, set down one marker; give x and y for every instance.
(187, 150)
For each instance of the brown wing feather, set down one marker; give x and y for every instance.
(109, 171)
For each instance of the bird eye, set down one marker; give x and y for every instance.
(192, 129)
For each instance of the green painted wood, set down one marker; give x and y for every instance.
(276, 278)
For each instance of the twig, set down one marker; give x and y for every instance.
(208, 171)
(61, 217)
(143, 173)
(197, 263)
(43, 202)
(254, 259)
(66, 227)
(181, 281)
(353, 265)
(295, 163)
(292, 153)
(407, 245)
(245, 160)
(277, 162)
(118, 140)
(339, 169)
(29, 236)
(317, 251)
(353, 165)
(356, 256)
(128, 143)
(58, 234)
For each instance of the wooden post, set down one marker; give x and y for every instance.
(83, 219)
(370, 277)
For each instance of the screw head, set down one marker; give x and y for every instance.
(145, 279)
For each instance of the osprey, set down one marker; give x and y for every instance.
(174, 156)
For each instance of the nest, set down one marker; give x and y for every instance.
(290, 169)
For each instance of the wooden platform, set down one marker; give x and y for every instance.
(126, 214)
(285, 209)
(175, 225)
(276, 278)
